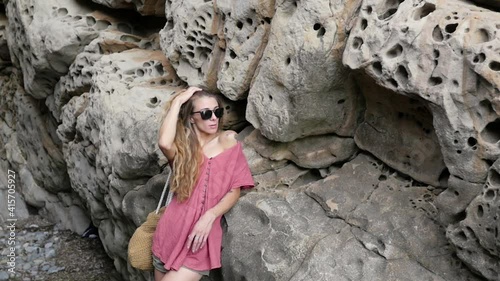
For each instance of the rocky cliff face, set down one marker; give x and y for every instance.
(372, 127)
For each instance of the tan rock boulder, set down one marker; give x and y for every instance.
(301, 87)
(443, 53)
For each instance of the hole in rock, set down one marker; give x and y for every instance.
(140, 72)
(232, 54)
(479, 58)
(369, 10)
(159, 69)
(341, 101)
(239, 25)
(460, 216)
(459, 151)
(395, 51)
(424, 11)
(393, 82)
(102, 24)
(388, 14)
(450, 28)
(480, 211)
(377, 67)
(153, 100)
(203, 56)
(249, 21)
(489, 194)
(461, 235)
(494, 65)
(434, 81)
(317, 26)
(436, 54)
(443, 177)
(480, 36)
(382, 178)
(471, 141)
(128, 38)
(494, 178)
(437, 34)
(321, 32)
(125, 28)
(288, 60)
(270, 98)
(491, 133)
(357, 42)
(90, 20)
(402, 74)
(364, 24)
(62, 12)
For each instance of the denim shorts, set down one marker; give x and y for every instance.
(160, 266)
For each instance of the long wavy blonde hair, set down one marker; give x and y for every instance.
(189, 154)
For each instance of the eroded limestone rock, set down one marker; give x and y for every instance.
(46, 36)
(310, 152)
(145, 7)
(443, 53)
(301, 87)
(477, 237)
(189, 40)
(31, 155)
(4, 48)
(365, 223)
(243, 35)
(217, 45)
(399, 131)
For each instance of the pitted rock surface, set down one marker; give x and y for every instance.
(412, 83)
(301, 87)
(477, 236)
(363, 222)
(443, 53)
(189, 41)
(310, 152)
(398, 130)
(144, 7)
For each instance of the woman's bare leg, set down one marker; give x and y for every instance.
(183, 274)
(158, 275)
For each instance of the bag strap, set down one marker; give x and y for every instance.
(169, 196)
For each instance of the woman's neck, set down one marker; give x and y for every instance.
(204, 138)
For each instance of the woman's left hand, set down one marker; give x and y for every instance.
(198, 237)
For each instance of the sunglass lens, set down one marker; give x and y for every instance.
(219, 112)
(206, 114)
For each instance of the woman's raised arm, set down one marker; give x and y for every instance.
(168, 128)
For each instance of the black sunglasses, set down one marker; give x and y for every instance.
(207, 113)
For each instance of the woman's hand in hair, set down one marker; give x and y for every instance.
(185, 95)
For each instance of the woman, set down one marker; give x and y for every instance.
(209, 168)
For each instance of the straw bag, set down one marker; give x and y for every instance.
(141, 242)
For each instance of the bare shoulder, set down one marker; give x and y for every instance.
(228, 139)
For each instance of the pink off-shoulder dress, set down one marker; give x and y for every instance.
(218, 175)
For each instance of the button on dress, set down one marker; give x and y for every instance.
(218, 175)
